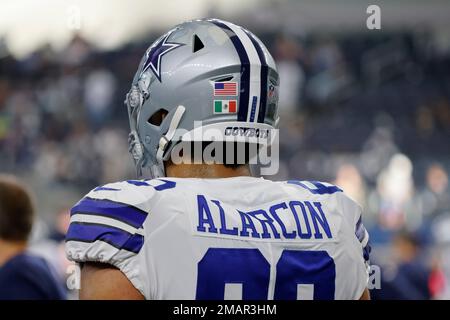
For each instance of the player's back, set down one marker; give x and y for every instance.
(228, 238)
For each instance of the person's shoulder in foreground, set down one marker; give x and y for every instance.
(29, 277)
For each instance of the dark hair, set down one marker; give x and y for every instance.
(16, 210)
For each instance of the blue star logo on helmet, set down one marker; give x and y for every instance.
(155, 53)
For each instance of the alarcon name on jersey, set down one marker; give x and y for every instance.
(286, 220)
(194, 238)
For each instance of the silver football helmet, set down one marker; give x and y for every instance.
(207, 70)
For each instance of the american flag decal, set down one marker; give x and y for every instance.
(225, 89)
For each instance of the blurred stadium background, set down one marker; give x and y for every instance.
(366, 109)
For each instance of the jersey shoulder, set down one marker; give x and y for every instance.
(335, 197)
(313, 187)
(107, 225)
(326, 192)
(139, 193)
(110, 219)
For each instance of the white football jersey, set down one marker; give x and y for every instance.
(230, 238)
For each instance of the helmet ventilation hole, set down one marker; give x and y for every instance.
(157, 118)
(197, 44)
(223, 79)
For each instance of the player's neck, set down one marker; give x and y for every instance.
(9, 249)
(212, 171)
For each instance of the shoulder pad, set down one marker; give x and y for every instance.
(113, 214)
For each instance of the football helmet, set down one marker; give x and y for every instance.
(202, 74)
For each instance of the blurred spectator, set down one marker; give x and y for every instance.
(76, 52)
(329, 75)
(377, 151)
(52, 248)
(436, 195)
(395, 188)
(22, 275)
(288, 53)
(98, 95)
(349, 179)
(440, 283)
(411, 277)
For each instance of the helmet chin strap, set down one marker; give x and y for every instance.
(158, 169)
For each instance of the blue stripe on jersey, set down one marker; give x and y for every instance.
(138, 183)
(166, 185)
(245, 70)
(118, 238)
(320, 188)
(105, 189)
(360, 230)
(264, 78)
(366, 252)
(103, 207)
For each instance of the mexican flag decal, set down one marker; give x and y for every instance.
(225, 106)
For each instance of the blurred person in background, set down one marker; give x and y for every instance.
(51, 246)
(412, 275)
(436, 196)
(350, 180)
(413, 272)
(22, 275)
(288, 53)
(396, 188)
(98, 95)
(440, 280)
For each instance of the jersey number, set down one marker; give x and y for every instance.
(249, 269)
